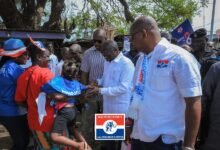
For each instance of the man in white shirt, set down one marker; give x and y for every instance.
(53, 58)
(116, 82)
(65, 56)
(166, 103)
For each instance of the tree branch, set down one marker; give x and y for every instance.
(128, 15)
(84, 5)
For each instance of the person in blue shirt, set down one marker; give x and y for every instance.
(68, 86)
(12, 116)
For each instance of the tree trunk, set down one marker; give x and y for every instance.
(54, 22)
(11, 16)
(28, 7)
(39, 13)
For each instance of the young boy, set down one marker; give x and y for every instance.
(66, 110)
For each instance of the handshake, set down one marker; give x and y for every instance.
(92, 89)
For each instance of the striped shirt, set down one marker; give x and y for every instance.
(93, 63)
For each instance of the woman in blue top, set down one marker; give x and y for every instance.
(12, 116)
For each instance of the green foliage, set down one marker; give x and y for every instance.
(85, 22)
(168, 13)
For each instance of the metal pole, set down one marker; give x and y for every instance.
(212, 22)
(203, 16)
(203, 8)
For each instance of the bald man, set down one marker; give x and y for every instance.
(115, 84)
(92, 67)
(166, 102)
(76, 53)
(93, 61)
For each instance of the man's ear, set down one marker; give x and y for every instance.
(115, 52)
(145, 33)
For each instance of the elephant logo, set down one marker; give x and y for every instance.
(110, 127)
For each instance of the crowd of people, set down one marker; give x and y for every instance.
(169, 93)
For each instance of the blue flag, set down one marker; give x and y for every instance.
(182, 33)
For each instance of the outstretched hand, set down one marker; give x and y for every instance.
(91, 90)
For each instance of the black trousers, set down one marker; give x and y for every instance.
(112, 145)
(18, 129)
(155, 145)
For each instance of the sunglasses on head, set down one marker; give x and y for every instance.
(98, 41)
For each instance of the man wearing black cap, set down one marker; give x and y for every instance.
(203, 54)
(199, 43)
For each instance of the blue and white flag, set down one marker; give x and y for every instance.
(182, 33)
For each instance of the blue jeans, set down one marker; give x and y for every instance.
(155, 145)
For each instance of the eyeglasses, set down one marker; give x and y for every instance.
(97, 41)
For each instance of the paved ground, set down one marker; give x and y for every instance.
(5, 141)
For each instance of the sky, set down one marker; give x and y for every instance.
(204, 19)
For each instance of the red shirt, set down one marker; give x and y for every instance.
(38, 77)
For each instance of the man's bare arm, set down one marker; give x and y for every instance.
(84, 77)
(192, 119)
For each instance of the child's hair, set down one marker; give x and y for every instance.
(69, 70)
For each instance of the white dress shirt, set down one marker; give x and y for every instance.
(53, 63)
(116, 84)
(58, 70)
(172, 74)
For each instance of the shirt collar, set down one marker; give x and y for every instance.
(120, 55)
(94, 49)
(149, 55)
(163, 43)
(161, 46)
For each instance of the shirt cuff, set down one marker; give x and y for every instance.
(191, 92)
(102, 91)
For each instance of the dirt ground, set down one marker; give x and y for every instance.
(5, 140)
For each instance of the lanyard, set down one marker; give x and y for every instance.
(139, 88)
